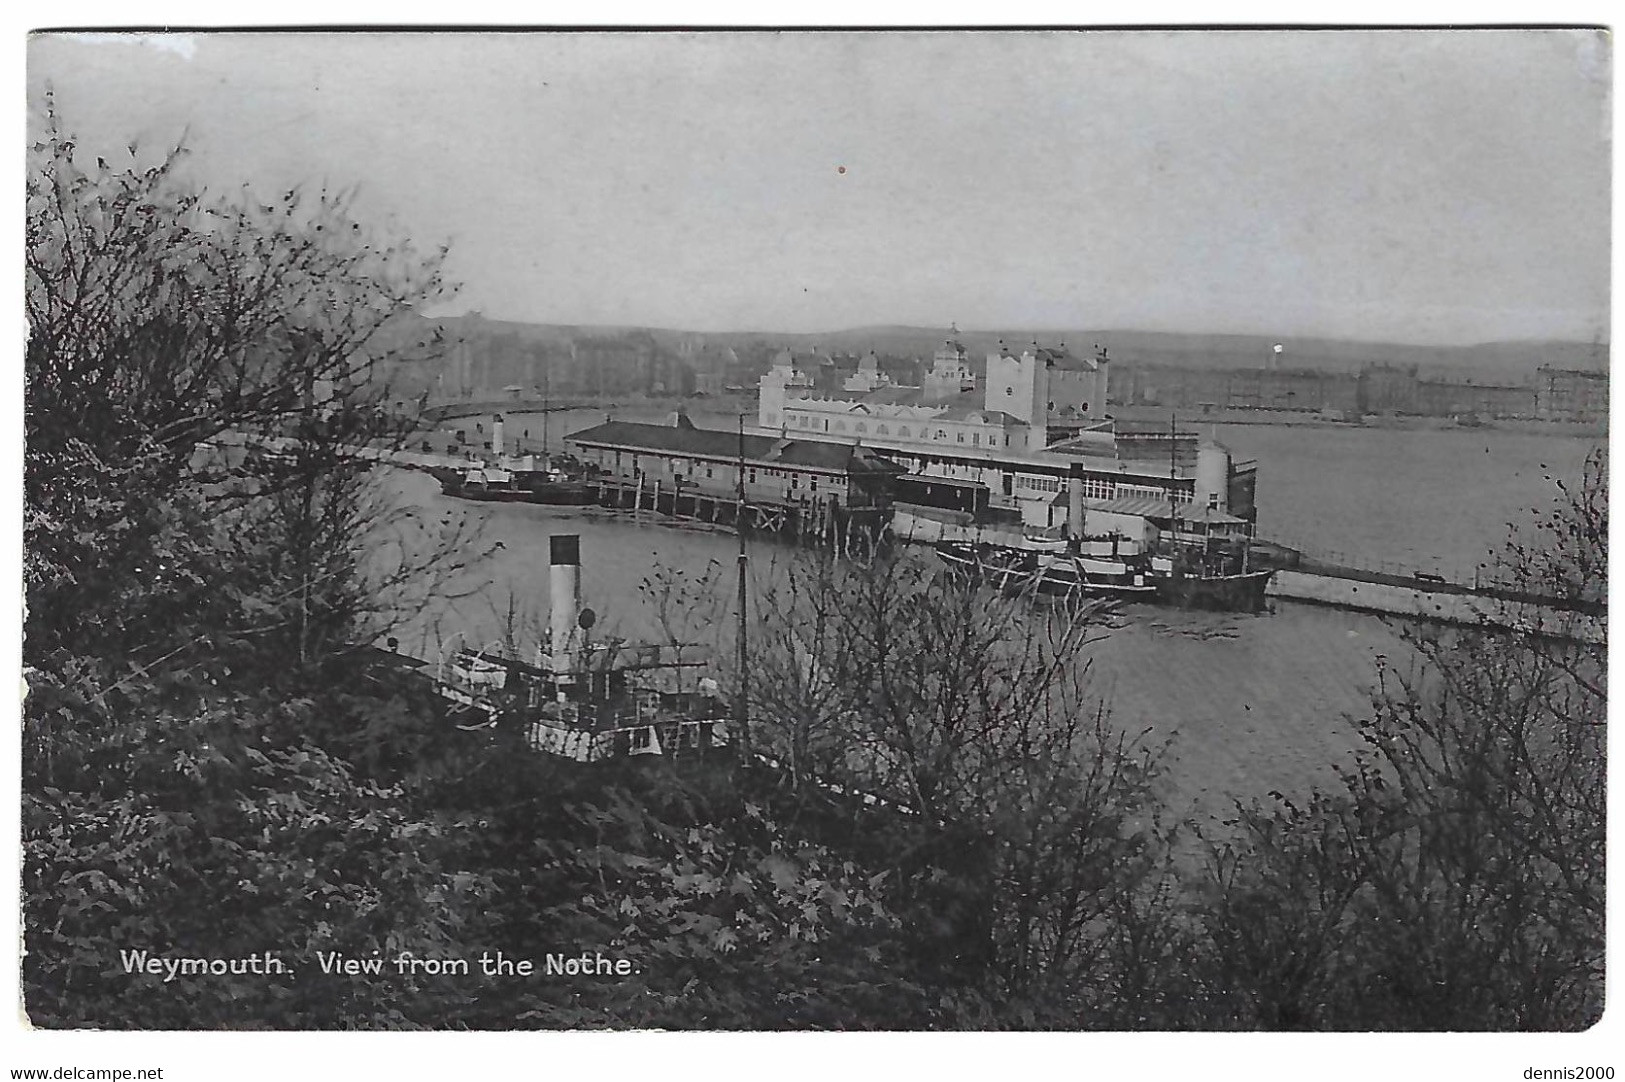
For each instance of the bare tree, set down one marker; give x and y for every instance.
(1456, 881)
(1495, 744)
(163, 320)
(802, 660)
(201, 745)
(1031, 841)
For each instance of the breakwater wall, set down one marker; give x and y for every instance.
(1451, 607)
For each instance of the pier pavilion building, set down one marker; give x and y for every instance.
(1007, 444)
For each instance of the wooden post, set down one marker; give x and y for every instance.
(637, 497)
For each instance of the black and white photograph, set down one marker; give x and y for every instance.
(1099, 530)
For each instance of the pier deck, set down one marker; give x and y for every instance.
(811, 519)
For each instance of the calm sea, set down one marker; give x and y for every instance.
(1432, 500)
(1253, 703)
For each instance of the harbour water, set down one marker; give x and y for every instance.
(1436, 500)
(1253, 703)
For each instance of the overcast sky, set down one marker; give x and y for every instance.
(1410, 186)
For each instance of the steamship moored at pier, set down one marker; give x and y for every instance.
(583, 698)
(501, 477)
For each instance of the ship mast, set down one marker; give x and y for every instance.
(1173, 489)
(741, 705)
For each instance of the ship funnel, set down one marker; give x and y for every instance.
(496, 437)
(564, 588)
(1074, 503)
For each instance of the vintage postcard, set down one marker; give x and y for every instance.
(745, 530)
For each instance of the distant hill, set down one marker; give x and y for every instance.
(1485, 362)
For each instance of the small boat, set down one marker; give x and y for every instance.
(1208, 574)
(1000, 566)
(1042, 570)
(1093, 577)
(1054, 540)
(1220, 581)
(520, 482)
(1238, 592)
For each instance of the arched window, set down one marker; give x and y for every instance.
(961, 437)
(860, 427)
(942, 434)
(881, 429)
(903, 431)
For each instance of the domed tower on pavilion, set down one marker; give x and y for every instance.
(951, 374)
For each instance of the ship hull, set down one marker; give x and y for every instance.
(1016, 570)
(551, 492)
(1223, 593)
(1064, 578)
(996, 567)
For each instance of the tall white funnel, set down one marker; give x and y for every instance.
(564, 586)
(496, 438)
